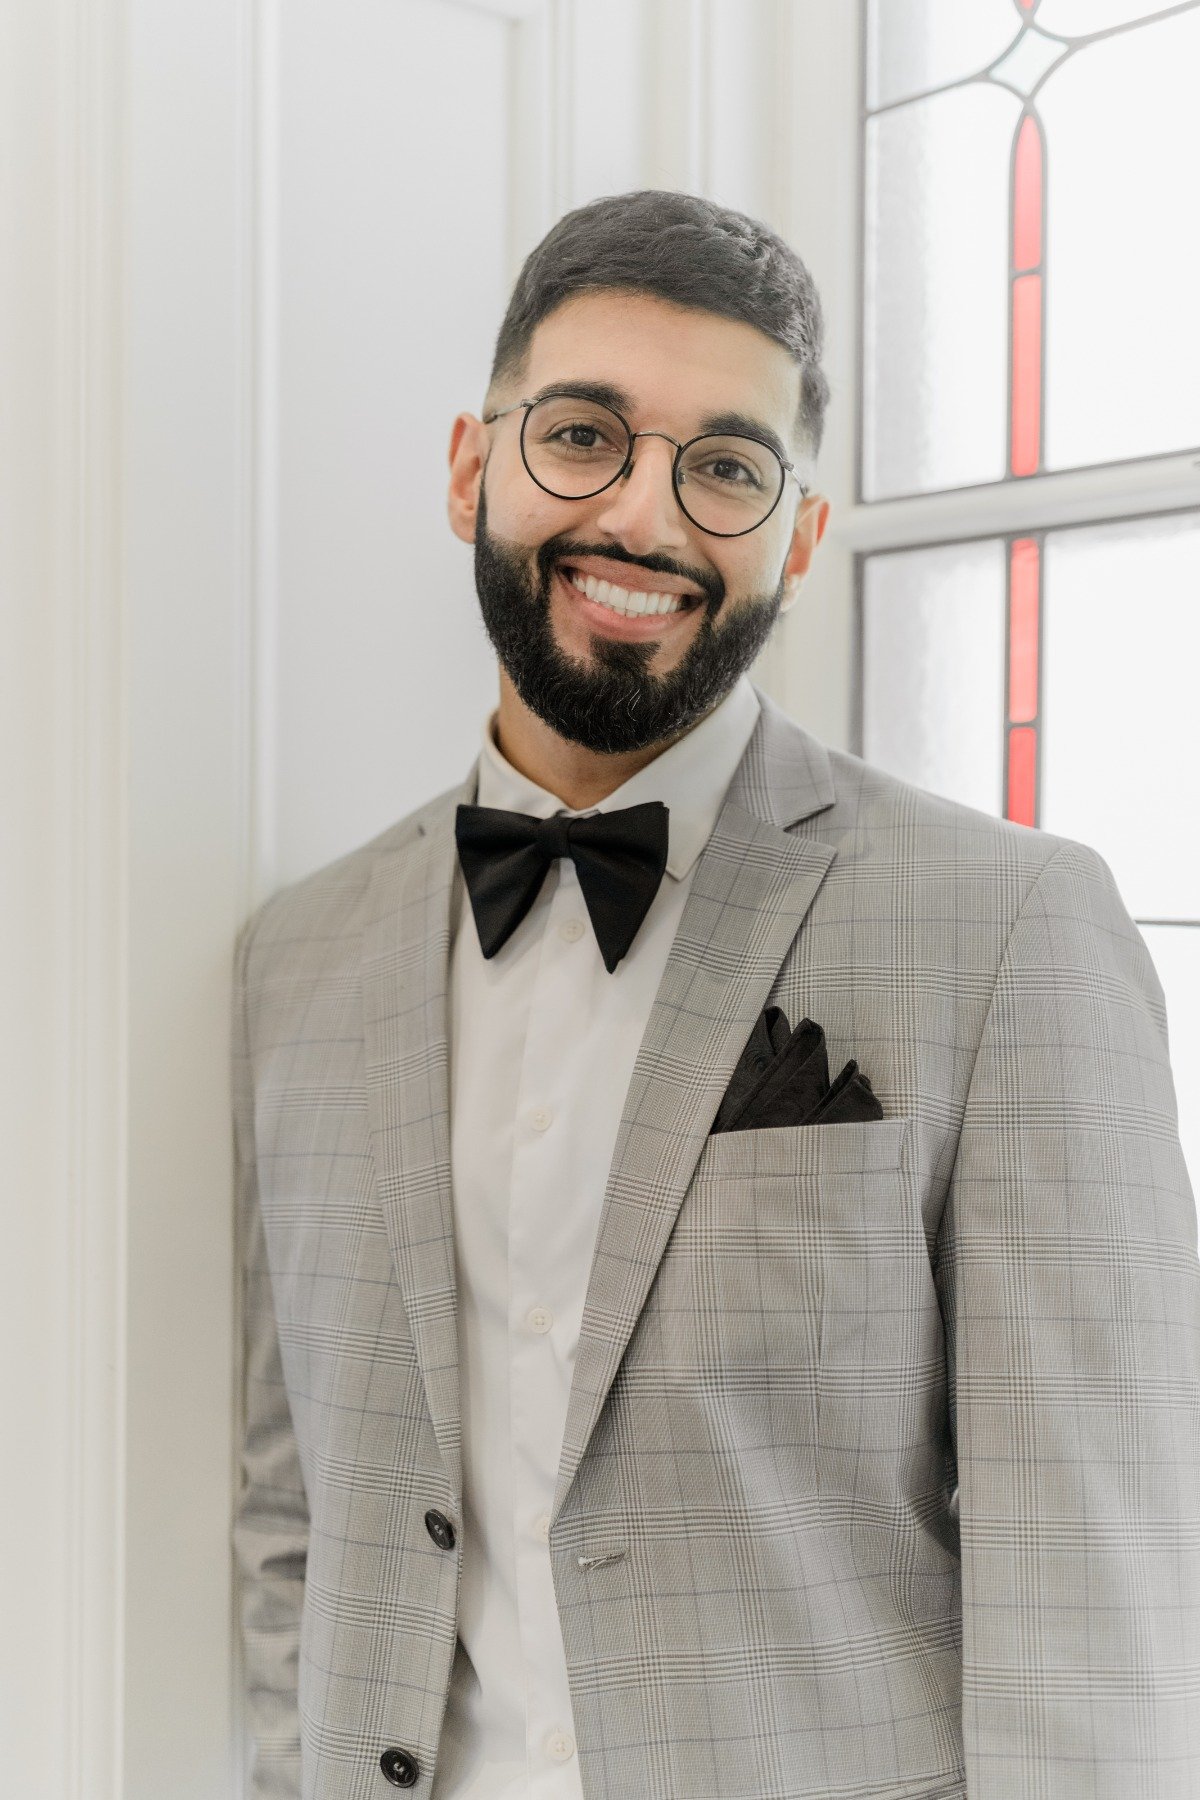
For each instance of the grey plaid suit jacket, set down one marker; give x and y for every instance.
(896, 1422)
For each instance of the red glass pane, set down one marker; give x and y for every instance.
(1023, 584)
(1027, 197)
(1022, 775)
(1027, 374)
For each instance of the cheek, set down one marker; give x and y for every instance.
(519, 511)
(747, 575)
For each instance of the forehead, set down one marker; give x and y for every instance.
(675, 363)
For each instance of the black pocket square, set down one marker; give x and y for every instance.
(782, 1078)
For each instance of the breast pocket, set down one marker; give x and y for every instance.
(802, 1251)
(861, 1146)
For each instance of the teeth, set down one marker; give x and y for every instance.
(630, 603)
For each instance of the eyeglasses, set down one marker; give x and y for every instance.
(575, 448)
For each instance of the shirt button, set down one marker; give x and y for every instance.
(560, 1745)
(542, 1526)
(539, 1318)
(571, 930)
(540, 1118)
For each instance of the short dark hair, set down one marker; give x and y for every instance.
(682, 248)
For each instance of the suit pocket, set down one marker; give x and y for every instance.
(757, 1252)
(859, 1147)
(793, 1232)
(801, 1257)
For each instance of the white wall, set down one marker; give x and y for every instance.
(389, 278)
(254, 255)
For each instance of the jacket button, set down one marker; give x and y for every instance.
(440, 1529)
(400, 1768)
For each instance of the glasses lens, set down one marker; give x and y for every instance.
(729, 484)
(574, 447)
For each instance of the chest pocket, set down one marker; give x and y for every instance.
(799, 1263)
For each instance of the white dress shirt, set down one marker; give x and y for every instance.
(542, 1046)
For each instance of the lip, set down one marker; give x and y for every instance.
(607, 623)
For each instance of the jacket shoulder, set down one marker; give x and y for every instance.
(900, 822)
(877, 821)
(327, 905)
(936, 852)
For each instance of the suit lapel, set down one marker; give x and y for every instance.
(751, 889)
(406, 959)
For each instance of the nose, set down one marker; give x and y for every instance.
(641, 509)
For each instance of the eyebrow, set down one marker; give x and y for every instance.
(604, 393)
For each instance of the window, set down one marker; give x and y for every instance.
(1029, 611)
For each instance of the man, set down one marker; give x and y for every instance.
(721, 1288)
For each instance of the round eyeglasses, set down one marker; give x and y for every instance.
(574, 448)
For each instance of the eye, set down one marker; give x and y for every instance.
(578, 434)
(581, 436)
(739, 466)
(719, 464)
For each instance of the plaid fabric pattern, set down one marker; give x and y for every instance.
(881, 1472)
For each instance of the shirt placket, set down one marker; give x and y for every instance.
(547, 1274)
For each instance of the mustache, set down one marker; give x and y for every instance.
(555, 552)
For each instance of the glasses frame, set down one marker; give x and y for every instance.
(787, 467)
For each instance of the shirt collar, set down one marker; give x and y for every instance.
(690, 778)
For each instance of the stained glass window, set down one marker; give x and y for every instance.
(1082, 645)
(1004, 139)
(1029, 292)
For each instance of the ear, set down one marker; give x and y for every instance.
(467, 455)
(812, 516)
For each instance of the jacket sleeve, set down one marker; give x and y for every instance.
(270, 1526)
(1067, 1270)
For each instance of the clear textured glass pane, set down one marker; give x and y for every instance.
(1078, 18)
(1123, 153)
(1032, 56)
(935, 354)
(1120, 724)
(1176, 953)
(914, 45)
(933, 669)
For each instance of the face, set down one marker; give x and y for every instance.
(610, 682)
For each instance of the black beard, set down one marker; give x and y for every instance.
(615, 705)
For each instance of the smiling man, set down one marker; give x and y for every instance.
(620, 623)
(721, 1295)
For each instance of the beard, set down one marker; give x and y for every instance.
(612, 704)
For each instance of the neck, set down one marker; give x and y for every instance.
(579, 777)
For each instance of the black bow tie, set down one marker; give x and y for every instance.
(619, 857)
